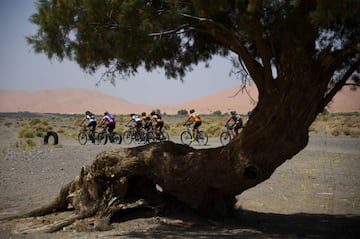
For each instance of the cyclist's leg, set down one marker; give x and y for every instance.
(161, 125)
(236, 129)
(111, 127)
(196, 129)
(92, 126)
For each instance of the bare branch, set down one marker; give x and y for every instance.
(182, 27)
(353, 84)
(242, 89)
(338, 86)
(228, 39)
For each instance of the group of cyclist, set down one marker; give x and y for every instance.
(107, 121)
(155, 121)
(145, 122)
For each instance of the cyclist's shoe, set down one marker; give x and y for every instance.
(192, 140)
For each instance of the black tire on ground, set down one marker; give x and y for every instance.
(52, 134)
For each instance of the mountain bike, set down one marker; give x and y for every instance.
(104, 136)
(161, 136)
(85, 134)
(226, 136)
(201, 136)
(149, 135)
(133, 134)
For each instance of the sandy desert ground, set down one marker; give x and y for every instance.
(314, 195)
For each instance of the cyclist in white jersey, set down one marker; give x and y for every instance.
(91, 123)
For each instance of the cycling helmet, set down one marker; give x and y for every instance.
(143, 114)
(192, 111)
(232, 112)
(152, 112)
(106, 113)
(88, 112)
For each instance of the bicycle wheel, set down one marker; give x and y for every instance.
(185, 138)
(202, 138)
(149, 137)
(225, 138)
(82, 138)
(140, 137)
(116, 138)
(101, 138)
(163, 136)
(128, 137)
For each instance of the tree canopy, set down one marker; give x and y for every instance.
(123, 35)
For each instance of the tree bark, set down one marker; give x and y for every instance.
(206, 180)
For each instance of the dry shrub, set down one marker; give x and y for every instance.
(8, 124)
(30, 143)
(338, 124)
(214, 129)
(26, 133)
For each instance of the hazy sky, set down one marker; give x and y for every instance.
(22, 69)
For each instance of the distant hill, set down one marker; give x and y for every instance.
(75, 100)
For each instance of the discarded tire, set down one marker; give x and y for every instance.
(51, 134)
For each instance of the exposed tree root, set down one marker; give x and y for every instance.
(202, 180)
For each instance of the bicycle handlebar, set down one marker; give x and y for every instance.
(229, 127)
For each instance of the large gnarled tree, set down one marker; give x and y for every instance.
(299, 54)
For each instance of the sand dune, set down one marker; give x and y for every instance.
(75, 100)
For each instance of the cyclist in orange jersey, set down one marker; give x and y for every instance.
(159, 122)
(195, 117)
(147, 124)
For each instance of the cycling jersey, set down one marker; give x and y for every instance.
(90, 118)
(195, 117)
(156, 117)
(108, 119)
(237, 119)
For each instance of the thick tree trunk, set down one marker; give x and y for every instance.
(206, 180)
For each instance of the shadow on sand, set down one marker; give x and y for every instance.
(250, 224)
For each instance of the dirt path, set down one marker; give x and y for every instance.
(316, 194)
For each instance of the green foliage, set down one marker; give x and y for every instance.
(182, 112)
(217, 112)
(281, 45)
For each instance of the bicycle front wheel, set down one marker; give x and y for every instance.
(149, 137)
(128, 137)
(202, 138)
(82, 138)
(101, 138)
(116, 138)
(185, 138)
(164, 136)
(225, 138)
(140, 137)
